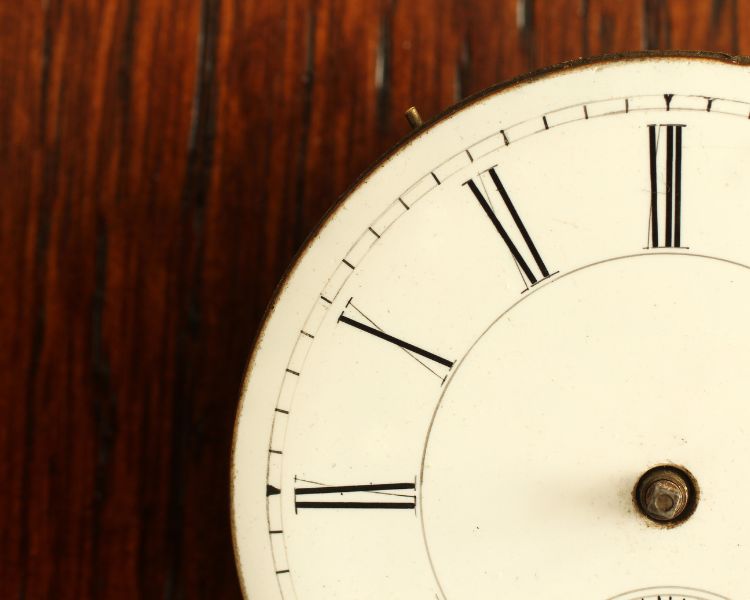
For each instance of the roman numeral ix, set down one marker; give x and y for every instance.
(533, 270)
(665, 170)
(386, 496)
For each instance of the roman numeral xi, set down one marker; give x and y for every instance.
(665, 167)
(519, 243)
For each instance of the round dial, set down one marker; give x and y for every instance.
(513, 360)
(669, 593)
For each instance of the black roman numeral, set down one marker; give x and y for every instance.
(665, 169)
(394, 340)
(394, 496)
(533, 273)
(365, 324)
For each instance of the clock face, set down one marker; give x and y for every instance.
(514, 360)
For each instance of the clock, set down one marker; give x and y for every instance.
(513, 361)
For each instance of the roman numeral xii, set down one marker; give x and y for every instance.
(665, 170)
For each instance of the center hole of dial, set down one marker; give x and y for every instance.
(667, 495)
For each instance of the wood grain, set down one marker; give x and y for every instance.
(161, 162)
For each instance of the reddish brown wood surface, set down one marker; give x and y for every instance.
(161, 161)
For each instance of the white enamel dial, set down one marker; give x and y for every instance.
(478, 372)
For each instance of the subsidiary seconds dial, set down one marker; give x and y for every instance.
(512, 363)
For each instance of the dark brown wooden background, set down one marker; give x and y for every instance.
(160, 163)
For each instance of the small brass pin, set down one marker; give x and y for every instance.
(412, 115)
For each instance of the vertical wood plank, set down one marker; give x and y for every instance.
(21, 75)
(613, 26)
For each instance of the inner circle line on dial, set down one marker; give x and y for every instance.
(690, 593)
(460, 361)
